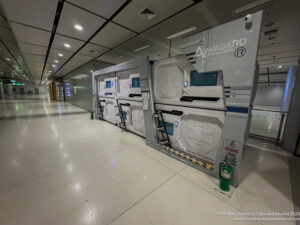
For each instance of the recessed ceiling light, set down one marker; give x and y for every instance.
(60, 55)
(53, 65)
(180, 33)
(67, 45)
(56, 61)
(141, 48)
(8, 59)
(78, 27)
(280, 66)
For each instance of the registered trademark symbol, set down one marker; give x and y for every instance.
(239, 52)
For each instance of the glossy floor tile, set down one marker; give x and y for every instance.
(58, 167)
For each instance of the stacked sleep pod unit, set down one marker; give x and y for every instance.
(118, 98)
(195, 107)
(107, 109)
(192, 106)
(130, 99)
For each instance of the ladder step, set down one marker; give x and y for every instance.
(164, 142)
(160, 128)
(157, 115)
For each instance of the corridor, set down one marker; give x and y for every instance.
(59, 167)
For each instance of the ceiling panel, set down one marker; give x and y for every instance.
(3, 23)
(115, 57)
(80, 59)
(6, 34)
(103, 8)
(187, 19)
(35, 13)
(33, 58)
(71, 16)
(224, 12)
(65, 70)
(30, 35)
(35, 63)
(129, 16)
(54, 54)
(60, 41)
(92, 50)
(112, 35)
(33, 49)
(56, 60)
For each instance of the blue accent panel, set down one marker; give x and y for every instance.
(203, 79)
(101, 108)
(136, 82)
(125, 115)
(108, 84)
(169, 127)
(237, 109)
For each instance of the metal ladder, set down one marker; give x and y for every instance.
(100, 109)
(161, 130)
(123, 123)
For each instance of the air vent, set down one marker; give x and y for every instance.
(147, 14)
(271, 32)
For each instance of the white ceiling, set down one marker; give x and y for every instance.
(114, 39)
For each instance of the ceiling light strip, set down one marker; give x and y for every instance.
(141, 48)
(180, 33)
(59, 9)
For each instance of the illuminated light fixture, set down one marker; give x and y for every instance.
(141, 48)
(53, 65)
(8, 59)
(180, 33)
(67, 45)
(251, 5)
(56, 61)
(280, 66)
(78, 27)
(49, 71)
(60, 55)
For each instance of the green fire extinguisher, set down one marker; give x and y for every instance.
(225, 172)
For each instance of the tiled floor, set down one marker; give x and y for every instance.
(57, 167)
